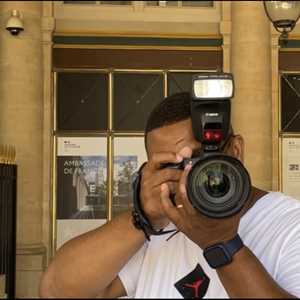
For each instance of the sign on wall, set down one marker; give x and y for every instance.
(129, 155)
(291, 166)
(81, 186)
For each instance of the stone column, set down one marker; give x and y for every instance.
(275, 107)
(251, 106)
(21, 124)
(48, 25)
(2, 287)
(225, 30)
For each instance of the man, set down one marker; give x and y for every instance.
(117, 260)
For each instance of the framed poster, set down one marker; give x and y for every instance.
(81, 196)
(129, 155)
(291, 166)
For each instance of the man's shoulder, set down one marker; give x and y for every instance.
(275, 203)
(274, 210)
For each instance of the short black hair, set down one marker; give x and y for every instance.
(172, 109)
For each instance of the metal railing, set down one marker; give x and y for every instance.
(8, 204)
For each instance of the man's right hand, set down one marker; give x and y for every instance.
(153, 175)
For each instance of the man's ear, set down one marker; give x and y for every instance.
(236, 148)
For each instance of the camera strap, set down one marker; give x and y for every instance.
(139, 219)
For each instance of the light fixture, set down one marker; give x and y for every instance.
(284, 15)
(15, 24)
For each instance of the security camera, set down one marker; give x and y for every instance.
(14, 24)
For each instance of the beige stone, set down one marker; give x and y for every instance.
(27, 284)
(252, 104)
(48, 25)
(22, 112)
(275, 108)
(30, 264)
(140, 19)
(2, 287)
(21, 124)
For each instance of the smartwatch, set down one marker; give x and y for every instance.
(222, 254)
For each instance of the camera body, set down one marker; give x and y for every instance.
(218, 185)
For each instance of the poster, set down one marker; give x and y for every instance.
(129, 155)
(291, 166)
(81, 185)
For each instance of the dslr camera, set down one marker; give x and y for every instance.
(218, 185)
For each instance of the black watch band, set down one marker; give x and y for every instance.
(139, 219)
(222, 254)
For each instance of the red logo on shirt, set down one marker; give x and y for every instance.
(196, 285)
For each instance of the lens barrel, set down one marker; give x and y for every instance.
(218, 185)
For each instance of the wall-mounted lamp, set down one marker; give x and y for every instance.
(15, 24)
(284, 15)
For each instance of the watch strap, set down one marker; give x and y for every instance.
(234, 245)
(139, 219)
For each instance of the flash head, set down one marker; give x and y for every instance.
(210, 108)
(213, 86)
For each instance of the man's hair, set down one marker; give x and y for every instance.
(171, 110)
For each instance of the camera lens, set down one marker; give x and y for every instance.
(218, 186)
(216, 182)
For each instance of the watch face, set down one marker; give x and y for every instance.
(217, 256)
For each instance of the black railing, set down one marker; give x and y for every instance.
(8, 205)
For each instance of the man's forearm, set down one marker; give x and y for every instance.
(86, 265)
(246, 277)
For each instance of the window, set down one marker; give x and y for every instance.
(290, 102)
(179, 82)
(180, 3)
(96, 109)
(82, 101)
(134, 97)
(100, 2)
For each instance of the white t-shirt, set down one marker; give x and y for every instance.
(271, 229)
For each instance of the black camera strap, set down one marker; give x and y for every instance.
(140, 221)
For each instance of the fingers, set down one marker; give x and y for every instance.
(186, 152)
(165, 175)
(159, 159)
(171, 211)
(182, 198)
(172, 187)
(183, 179)
(153, 176)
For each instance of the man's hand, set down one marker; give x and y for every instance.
(202, 230)
(153, 175)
